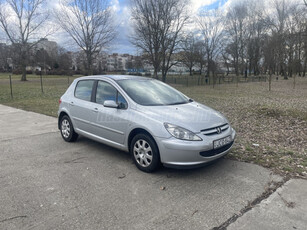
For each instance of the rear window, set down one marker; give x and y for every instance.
(84, 90)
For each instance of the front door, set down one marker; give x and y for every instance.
(110, 123)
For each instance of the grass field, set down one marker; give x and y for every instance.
(271, 126)
(28, 95)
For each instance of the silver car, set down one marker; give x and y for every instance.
(153, 121)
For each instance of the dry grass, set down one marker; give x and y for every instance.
(28, 95)
(276, 121)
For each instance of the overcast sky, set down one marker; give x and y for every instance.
(122, 18)
(121, 7)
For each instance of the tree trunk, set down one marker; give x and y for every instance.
(270, 80)
(305, 68)
(156, 74)
(24, 72)
(89, 68)
(23, 66)
(24, 75)
(163, 76)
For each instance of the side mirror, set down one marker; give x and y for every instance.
(122, 106)
(110, 104)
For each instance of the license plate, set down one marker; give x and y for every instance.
(221, 142)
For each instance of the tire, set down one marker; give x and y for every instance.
(67, 129)
(145, 153)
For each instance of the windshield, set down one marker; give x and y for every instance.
(152, 92)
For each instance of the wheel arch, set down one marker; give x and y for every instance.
(62, 114)
(136, 131)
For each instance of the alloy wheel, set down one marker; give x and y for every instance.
(65, 128)
(142, 153)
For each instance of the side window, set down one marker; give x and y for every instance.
(106, 91)
(84, 90)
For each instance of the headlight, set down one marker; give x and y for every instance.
(181, 133)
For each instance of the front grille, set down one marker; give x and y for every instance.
(213, 152)
(215, 130)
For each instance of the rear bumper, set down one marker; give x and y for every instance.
(176, 153)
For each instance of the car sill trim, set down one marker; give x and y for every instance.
(99, 126)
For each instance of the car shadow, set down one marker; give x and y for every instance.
(123, 157)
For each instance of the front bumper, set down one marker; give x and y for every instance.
(189, 154)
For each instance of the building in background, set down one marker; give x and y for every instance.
(48, 57)
(51, 47)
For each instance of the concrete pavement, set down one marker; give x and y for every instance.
(16, 123)
(47, 183)
(284, 209)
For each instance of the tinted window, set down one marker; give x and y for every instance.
(106, 91)
(84, 90)
(152, 92)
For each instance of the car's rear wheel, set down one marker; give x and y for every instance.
(145, 153)
(67, 129)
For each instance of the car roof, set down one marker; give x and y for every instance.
(114, 77)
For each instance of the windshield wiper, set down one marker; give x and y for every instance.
(178, 103)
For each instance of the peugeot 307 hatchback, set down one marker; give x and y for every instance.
(153, 121)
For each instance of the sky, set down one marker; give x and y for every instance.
(122, 18)
(121, 7)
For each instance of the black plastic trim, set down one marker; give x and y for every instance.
(204, 130)
(213, 152)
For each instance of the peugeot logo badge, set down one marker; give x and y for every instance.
(218, 130)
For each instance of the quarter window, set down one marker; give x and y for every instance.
(84, 90)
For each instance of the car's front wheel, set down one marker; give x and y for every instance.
(145, 153)
(67, 129)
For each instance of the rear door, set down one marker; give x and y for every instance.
(82, 109)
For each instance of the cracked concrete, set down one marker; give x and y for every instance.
(284, 209)
(47, 183)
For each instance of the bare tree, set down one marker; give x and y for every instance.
(200, 56)
(89, 23)
(158, 25)
(21, 21)
(63, 60)
(257, 28)
(212, 30)
(270, 55)
(278, 28)
(188, 55)
(236, 29)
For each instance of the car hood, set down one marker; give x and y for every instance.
(192, 116)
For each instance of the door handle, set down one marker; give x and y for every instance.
(71, 103)
(95, 110)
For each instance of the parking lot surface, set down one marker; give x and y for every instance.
(47, 183)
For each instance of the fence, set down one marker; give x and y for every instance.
(218, 79)
(11, 86)
(36, 85)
